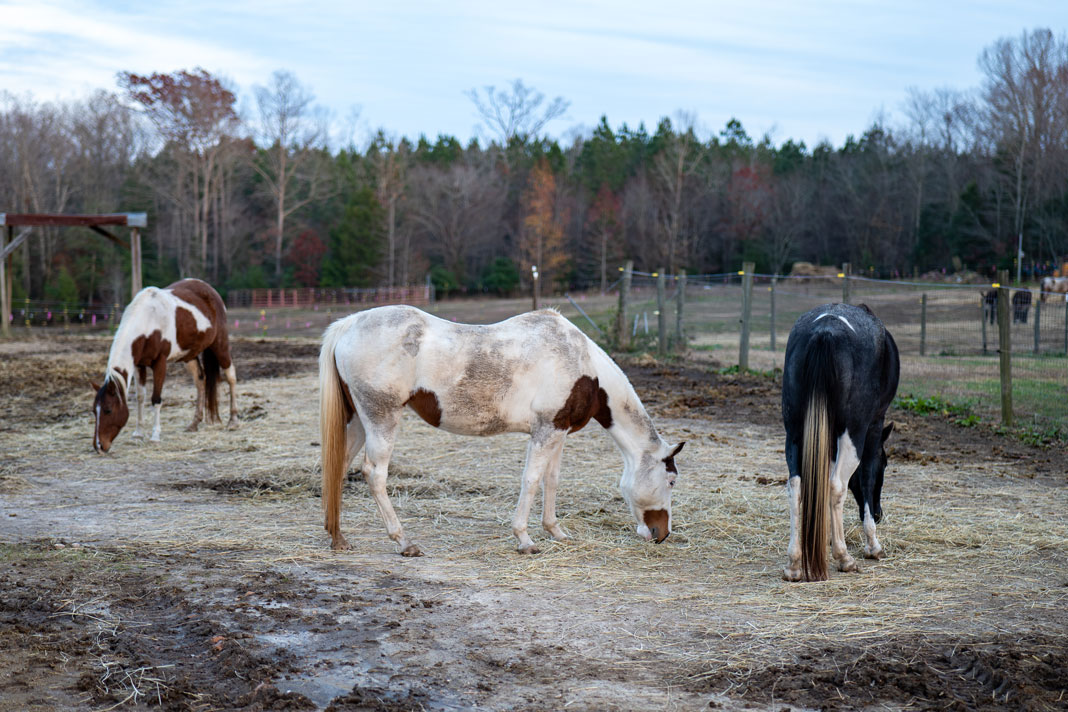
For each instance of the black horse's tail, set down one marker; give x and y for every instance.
(821, 383)
(210, 362)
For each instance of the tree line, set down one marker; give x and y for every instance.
(264, 200)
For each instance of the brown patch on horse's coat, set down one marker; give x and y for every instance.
(580, 406)
(425, 403)
(657, 521)
(587, 400)
(147, 349)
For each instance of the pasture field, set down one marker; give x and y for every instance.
(194, 574)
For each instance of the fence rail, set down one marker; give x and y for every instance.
(329, 296)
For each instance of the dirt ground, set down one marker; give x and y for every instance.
(194, 574)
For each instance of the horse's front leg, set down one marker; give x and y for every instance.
(197, 372)
(141, 392)
(545, 442)
(377, 451)
(548, 496)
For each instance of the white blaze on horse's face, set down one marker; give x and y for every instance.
(646, 487)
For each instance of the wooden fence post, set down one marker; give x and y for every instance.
(923, 325)
(1005, 347)
(983, 318)
(680, 302)
(771, 289)
(622, 327)
(5, 303)
(847, 269)
(661, 313)
(747, 309)
(534, 285)
(1038, 332)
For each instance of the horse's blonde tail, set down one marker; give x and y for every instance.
(335, 412)
(815, 487)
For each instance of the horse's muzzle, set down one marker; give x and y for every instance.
(659, 523)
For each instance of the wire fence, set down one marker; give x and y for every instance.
(947, 334)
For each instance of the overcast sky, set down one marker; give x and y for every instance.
(801, 69)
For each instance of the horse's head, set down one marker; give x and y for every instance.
(647, 487)
(110, 412)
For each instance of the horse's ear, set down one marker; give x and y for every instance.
(677, 448)
(887, 430)
(94, 386)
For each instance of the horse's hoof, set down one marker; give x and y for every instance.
(154, 438)
(137, 434)
(233, 424)
(530, 550)
(558, 533)
(876, 555)
(192, 428)
(340, 544)
(849, 566)
(789, 574)
(411, 550)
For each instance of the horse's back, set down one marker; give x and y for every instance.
(850, 349)
(484, 379)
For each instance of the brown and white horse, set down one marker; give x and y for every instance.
(535, 373)
(1053, 285)
(185, 321)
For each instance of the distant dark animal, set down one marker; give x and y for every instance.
(840, 375)
(1053, 285)
(990, 305)
(1021, 302)
(185, 321)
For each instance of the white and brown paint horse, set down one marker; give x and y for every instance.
(1053, 285)
(840, 375)
(185, 321)
(535, 373)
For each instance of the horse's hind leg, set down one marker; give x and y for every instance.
(844, 467)
(197, 372)
(231, 379)
(548, 496)
(141, 391)
(380, 436)
(792, 571)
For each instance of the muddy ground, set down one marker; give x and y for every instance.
(194, 574)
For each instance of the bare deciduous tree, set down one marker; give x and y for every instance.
(516, 114)
(294, 134)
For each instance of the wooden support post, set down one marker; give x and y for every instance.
(534, 285)
(5, 298)
(771, 289)
(135, 261)
(847, 269)
(622, 326)
(5, 237)
(747, 309)
(1038, 325)
(661, 313)
(680, 303)
(982, 319)
(1005, 347)
(923, 325)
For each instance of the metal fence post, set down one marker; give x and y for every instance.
(680, 302)
(621, 315)
(923, 324)
(847, 269)
(747, 308)
(1005, 347)
(661, 313)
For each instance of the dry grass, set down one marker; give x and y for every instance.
(971, 551)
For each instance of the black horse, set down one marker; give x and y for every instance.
(840, 375)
